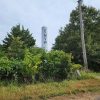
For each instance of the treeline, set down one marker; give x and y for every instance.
(22, 62)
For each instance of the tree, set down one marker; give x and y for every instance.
(17, 40)
(24, 34)
(15, 49)
(2, 54)
(69, 39)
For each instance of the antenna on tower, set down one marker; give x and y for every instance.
(44, 38)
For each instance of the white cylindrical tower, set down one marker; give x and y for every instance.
(44, 38)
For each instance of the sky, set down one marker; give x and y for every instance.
(33, 14)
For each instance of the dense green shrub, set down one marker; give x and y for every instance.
(56, 65)
(21, 70)
(38, 65)
(33, 61)
(5, 68)
(74, 72)
(14, 71)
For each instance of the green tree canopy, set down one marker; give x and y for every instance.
(17, 40)
(69, 39)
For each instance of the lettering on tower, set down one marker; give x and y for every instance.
(44, 38)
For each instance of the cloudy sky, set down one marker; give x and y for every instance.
(34, 14)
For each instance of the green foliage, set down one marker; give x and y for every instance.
(41, 66)
(56, 65)
(15, 50)
(69, 39)
(32, 61)
(75, 67)
(2, 54)
(87, 75)
(27, 57)
(37, 50)
(14, 71)
(21, 70)
(5, 68)
(18, 39)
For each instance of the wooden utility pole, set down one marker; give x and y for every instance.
(82, 35)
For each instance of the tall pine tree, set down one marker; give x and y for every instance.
(17, 40)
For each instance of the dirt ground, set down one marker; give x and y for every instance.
(81, 96)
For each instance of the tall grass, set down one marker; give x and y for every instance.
(89, 75)
(42, 91)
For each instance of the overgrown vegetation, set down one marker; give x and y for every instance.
(42, 91)
(55, 65)
(22, 62)
(69, 37)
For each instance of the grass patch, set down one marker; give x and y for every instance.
(89, 75)
(42, 91)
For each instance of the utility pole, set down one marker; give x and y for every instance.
(82, 35)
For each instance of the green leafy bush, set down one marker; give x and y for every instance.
(56, 65)
(14, 71)
(74, 72)
(32, 61)
(38, 65)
